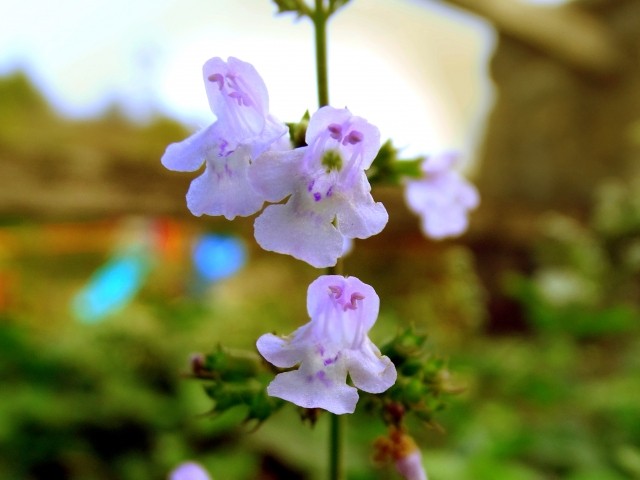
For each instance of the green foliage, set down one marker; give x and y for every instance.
(237, 379)
(297, 6)
(389, 168)
(298, 131)
(423, 380)
(302, 9)
(586, 280)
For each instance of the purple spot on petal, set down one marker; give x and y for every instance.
(317, 197)
(322, 376)
(329, 192)
(310, 186)
(329, 361)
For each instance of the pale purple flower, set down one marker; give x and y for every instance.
(329, 194)
(243, 130)
(333, 344)
(410, 466)
(189, 471)
(442, 197)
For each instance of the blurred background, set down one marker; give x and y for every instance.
(108, 284)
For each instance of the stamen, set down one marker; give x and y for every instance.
(216, 78)
(352, 304)
(241, 98)
(336, 291)
(353, 137)
(335, 131)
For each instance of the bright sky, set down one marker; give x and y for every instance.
(415, 69)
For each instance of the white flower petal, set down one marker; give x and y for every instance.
(189, 154)
(304, 234)
(369, 370)
(283, 353)
(224, 189)
(275, 174)
(313, 391)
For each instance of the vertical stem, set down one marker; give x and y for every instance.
(320, 26)
(336, 457)
(336, 428)
(320, 17)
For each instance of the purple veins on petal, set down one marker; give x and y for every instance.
(322, 376)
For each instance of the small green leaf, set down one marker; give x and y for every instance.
(336, 4)
(297, 6)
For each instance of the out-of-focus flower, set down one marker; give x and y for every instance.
(189, 471)
(410, 466)
(243, 130)
(442, 197)
(400, 448)
(330, 197)
(332, 344)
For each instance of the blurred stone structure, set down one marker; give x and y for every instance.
(566, 116)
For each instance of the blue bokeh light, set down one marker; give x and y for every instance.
(218, 256)
(111, 287)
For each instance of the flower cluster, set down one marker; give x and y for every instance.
(319, 200)
(247, 164)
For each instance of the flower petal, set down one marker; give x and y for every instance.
(305, 234)
(314, 391)
(282, 352)
(367, 308)
(224, 188)
(236, 77)
(369, 370)
(189, 471)
(410, 467)
(361, 216)
(275, 174)
(189, 154)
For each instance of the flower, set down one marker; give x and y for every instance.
(189, 471)
(333, 344)
(410, 466)
(329, 194)
(401, 448)
(442, 197)
(243, 130)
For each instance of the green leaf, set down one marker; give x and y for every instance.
(297, 6)
(336, 4)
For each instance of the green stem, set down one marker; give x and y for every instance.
(319, 18)
(336, 459)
